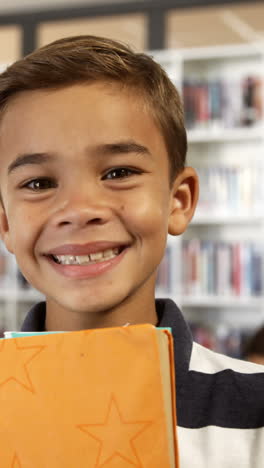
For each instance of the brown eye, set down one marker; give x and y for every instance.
(120, 173)
(40, 184)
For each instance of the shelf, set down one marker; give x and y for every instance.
(8, 294)
(240, 51)
(225, 135)
(212, 301)
(12, 294)
(222, 301)
(164, 293)
(24, 295)
(185, 301)
(200, 220)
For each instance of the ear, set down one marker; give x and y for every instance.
(4, 228)
(184, 197)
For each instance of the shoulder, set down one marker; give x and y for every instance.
(221, 391)
(206, 361)
(221, 412)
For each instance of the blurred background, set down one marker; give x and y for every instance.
(213, 52)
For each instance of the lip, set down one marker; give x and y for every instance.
(85, 249)
(86, 271)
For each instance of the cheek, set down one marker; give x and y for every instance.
(22, 228)
(148, 215)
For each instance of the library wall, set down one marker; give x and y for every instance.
(10, 43)
(214, 26)
(130, 29)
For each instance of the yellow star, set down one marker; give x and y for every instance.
(14, 359)
(115, 436)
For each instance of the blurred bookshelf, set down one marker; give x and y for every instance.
(217, 275)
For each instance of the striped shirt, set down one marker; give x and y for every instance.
(220, 400)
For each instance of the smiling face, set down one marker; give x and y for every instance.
(84, 171)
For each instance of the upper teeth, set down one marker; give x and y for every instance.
(85, 259)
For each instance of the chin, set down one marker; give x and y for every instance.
(90, 307)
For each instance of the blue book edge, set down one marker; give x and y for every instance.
(14, 334)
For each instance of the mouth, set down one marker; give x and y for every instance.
(88, 259)
(83, 261)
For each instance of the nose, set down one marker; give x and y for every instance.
(82, 205)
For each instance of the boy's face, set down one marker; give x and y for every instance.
(84, 170)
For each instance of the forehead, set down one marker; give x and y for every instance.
(97, 110)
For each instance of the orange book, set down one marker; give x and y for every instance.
(91, 398)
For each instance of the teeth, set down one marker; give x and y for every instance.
(96, 256)
(86, 259)
(83, 259)
(109, 253)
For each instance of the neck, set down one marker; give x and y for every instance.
(132, 312)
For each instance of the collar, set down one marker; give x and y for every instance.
(169, 316)
(35, 318)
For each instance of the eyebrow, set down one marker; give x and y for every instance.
(27, 159)
(125, 147)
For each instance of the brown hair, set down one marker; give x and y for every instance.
(78, 59)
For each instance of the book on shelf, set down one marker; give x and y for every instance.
(221, 338)
(5, 268)
(231, 189)
(215, 269)
(164, 277)
(222, 103)
(222, 268)
(88, 398)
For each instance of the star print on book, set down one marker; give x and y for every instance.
(16, 463)
(17, 357)
(116, 436)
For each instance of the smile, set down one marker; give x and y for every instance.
(95, 257)
(75, 262)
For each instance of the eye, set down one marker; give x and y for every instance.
(120, 173)
(39, 184)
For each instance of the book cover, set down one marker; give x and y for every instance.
(91, 398)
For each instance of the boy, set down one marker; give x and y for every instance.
(93, 152)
